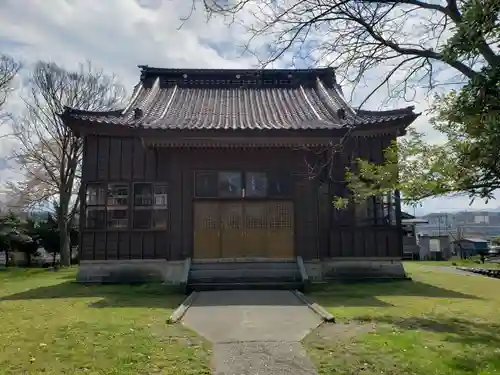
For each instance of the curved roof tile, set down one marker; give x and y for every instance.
(239, 99)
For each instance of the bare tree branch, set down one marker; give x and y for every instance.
(8, 71)
(50, 154)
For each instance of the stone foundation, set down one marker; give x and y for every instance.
(130, 271)
(171, 272)
(355, 269)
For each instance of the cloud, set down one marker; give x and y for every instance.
(118, 35)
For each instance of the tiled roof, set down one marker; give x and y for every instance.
(239, 99)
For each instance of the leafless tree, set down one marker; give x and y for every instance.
(9, 68)
(400, 46)
(402, 42)
(49, 154)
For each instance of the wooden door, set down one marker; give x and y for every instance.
(280, 235)
(231, 219)
(255, 231)
(207, 233)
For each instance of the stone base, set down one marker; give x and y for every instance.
(355, 269)
(130, 271)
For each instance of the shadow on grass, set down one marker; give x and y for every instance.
(365, 294)
(394, 288)
(142, 295)
(465, 331)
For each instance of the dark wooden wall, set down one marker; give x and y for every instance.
(319, 231)
(111, 159)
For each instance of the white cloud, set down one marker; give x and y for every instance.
(118, 35)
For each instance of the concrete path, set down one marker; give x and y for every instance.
(254, 332)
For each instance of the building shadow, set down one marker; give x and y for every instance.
(389, 288)
(367, 294)
(140, 295)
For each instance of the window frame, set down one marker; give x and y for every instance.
(153, 208)
(99, 205)
(271, 177)
(110, 207)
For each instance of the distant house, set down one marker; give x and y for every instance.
(435, 247)
(411, 248)
(469, 246)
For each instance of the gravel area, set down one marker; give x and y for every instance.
(261, 358)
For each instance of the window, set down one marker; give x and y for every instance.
(229, 184)
(280, 185)
(206, 184)
(95, 201)
(150, 206)
(117, 206)
(237, 184)
(256, 184)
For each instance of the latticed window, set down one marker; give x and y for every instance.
(150, 206)
(117, 206)
(95, 202)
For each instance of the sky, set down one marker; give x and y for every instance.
(118, 35)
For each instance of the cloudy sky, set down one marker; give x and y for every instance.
(118, 35)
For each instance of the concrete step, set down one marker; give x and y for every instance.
(247, 279)
(243, 273)
(245, 286)
(244, 265)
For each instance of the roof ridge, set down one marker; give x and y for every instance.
(76, 111)
(385, 112)
(147, 68)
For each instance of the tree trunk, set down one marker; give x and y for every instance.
(28, 260)
(54, 259)
(64, 246)
(63, 225)
(6, 258)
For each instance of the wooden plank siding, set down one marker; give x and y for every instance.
(115, 159)
(320, 230)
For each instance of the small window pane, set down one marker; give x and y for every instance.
(256, 184)
(117, 218)
(206, 184)
(280, 184)
(161, 196)
(95, 195)
(95, 218)
(143, 194)
(117, 195)
(160, 219)
(143, 218)
(229, 184)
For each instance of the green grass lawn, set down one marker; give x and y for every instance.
(439, 323)
(50, 325)
(456, 261)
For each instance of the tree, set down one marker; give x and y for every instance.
(9, 234)
(8, 71)
(409, 44)
(50, 154)
(28, 240)
(48, 233)
(495, 241)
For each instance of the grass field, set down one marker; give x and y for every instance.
(439, 323)
(473, 262)
(50, 325)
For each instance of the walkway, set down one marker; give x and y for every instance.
(254, 332)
